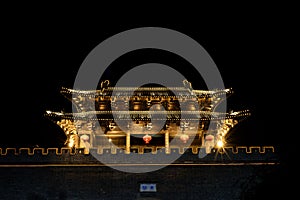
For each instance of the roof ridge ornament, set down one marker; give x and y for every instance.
(104, 85)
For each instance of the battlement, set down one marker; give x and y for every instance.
(140, 150)
(238, 154)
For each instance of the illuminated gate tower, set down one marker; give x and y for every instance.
(184, 114)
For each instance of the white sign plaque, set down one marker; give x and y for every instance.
(147, 187)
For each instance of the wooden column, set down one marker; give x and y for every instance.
(127, 150)
(167, 143)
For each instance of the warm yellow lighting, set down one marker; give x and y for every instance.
(109, 139)
(71, 143)
(220, 144)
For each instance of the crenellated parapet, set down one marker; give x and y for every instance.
(190, 155)
(140, 150)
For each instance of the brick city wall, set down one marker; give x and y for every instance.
(172, 182)
(56, 174)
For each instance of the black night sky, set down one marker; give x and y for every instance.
(39, 56)
(41, 51)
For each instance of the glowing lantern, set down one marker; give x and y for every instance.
(209, 138)
(184, 138)
(209, 143)
(85, 138)
(147, 138)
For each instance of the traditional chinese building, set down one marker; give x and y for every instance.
(148, 116)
